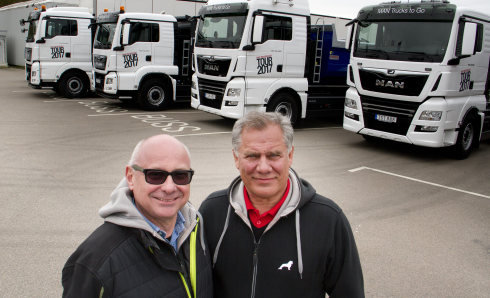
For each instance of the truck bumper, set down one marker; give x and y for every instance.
(221, 102)
(354, 121)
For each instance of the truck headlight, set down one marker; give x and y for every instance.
(431, 115)
(33, 73)
(235, 92)
(108, 81)
(193, 86)
(350, 103)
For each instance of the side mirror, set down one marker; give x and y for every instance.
(469, 39)
(126, 27)
(257, 30)
(348, 37)
(22, 22)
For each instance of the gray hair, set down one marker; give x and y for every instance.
(137, 151)
(260, 121)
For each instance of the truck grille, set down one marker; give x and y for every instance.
(378, 82)
(213, 66)
(403, 111)
(211, 88)
(99, 81)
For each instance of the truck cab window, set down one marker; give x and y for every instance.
(55, 27)
(144, 32)
(278, 28)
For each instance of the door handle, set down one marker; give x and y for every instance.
(148, 58)
(68, 55)
(279, 68)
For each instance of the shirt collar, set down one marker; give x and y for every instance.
(272, 211)
(179, 224)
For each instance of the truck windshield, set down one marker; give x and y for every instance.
(104, 35)
(220, 31)
(32, 30)
(402, 41)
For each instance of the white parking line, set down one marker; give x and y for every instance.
(418, 180)
(147, 113)
(222, 132)
(202, 134)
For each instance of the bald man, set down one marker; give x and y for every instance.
(151, 243)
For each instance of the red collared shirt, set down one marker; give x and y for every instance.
(261, 220)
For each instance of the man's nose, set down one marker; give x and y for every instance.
(168, 185)
(263, 164)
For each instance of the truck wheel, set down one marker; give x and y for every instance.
(284, 103)
(73, 84)
(154, 95)
(466, 137)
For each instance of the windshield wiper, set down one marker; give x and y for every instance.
(379, 51)
(419, 53)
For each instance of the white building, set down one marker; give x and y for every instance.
(11, 14)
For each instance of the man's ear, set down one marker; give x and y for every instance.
(129, 177)
(235, 157)
(290, 156)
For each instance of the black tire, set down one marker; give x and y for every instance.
(466, 138)
(74, 84)
(285, 104)
(154, 95)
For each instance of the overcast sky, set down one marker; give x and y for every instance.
(350, 8)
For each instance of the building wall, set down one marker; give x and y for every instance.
(9, 21)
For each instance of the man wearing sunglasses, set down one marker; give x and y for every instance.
(152, 241)
(270, 234)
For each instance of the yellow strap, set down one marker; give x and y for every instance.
(185, 285)
(101, 293)
(192, 262)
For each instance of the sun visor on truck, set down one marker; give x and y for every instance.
(408, 12)
(224, 8)
(108, 17)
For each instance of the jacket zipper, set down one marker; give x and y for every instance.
(255, 261)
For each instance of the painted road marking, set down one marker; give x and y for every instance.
(421, 181)
(144, 113)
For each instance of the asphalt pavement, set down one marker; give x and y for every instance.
(420, 218)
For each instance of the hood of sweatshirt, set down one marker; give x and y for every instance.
(121, 211)
(300, 193)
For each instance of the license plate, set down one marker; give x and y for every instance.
(384, 118)
(98, 81)
(210, 96)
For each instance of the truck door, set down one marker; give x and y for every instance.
(137, 53)
(266, 61)
(56, 46)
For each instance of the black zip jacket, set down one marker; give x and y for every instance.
(125, 258)
(306, 251)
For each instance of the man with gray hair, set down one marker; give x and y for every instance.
(152, 241)
(270, 234)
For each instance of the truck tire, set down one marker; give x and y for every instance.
(466, 138)
(154, 95)
(73, 84)
(285, 104)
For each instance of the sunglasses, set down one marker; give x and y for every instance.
(157, 177)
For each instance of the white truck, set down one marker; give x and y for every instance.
(58, 50)
(266, 55)
(143, 56)
(419, 74)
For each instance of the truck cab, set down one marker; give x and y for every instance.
(58, 50)
(266, 55)
(419, 74)
(143, 57)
